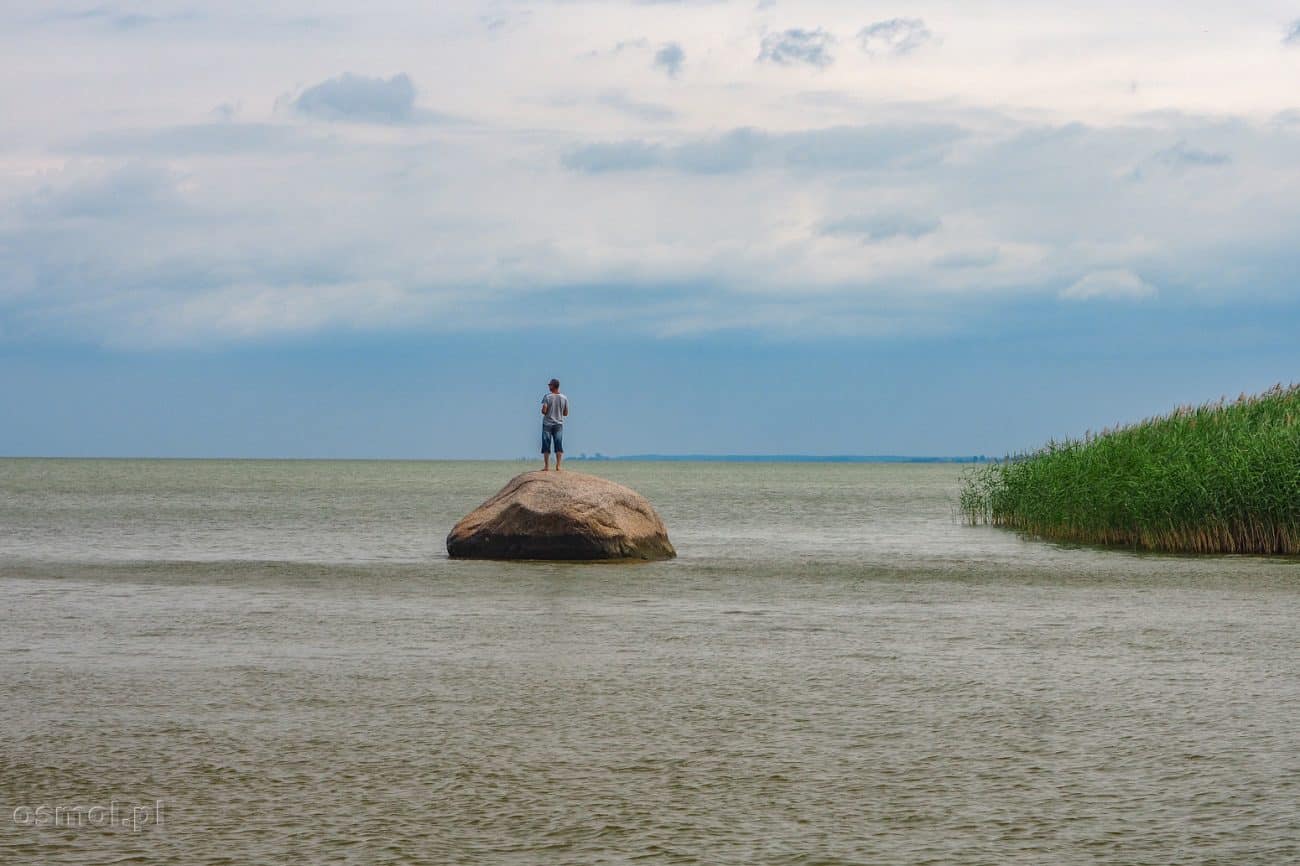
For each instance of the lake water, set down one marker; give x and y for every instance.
(833, 671)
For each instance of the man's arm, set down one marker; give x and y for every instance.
(543, 405)
(566, 408)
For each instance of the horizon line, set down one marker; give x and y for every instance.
(581, 458)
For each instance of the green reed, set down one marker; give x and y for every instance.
(1219, 478)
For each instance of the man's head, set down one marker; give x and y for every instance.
(554, 385)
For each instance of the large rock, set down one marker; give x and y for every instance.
(561, 515)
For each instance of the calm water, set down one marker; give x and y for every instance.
(833, 671)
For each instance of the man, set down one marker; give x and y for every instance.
(555, 406)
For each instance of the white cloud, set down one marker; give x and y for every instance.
(1113, 284)
(894, 37)
(881, 227)
(1004, 166)
(797, 46)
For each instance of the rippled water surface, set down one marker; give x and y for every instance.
(833, 671)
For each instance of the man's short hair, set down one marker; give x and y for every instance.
(554, 383)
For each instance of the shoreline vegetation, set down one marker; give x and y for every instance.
(1217, 478)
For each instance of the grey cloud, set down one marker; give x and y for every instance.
(614, 156)
(1292, 36)
(93, 252)
(867, 147)
(1182, 155)
(893, 37)
(1109, 284)
(670, 58)
(734, 151)
(500, 22)
(639, 44)
(650, 111)
(136, 188)
(731, 152)
(198, 139)
(968, 259)
(1178, 158)
(120, 19)
(831, 149)
(795, 46)
(880, 227)
(360, 98)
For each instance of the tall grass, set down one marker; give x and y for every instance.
(1218, 478)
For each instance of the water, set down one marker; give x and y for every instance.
(834, 670)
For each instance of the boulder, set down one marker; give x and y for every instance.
(561, 515)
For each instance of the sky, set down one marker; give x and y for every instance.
(331, 229)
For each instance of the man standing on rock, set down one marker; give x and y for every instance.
(555, 406)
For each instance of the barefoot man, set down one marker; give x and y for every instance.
(555, 406)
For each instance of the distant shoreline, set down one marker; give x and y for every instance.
(778, 458)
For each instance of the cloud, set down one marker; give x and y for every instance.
(795, 46)
(250, 311)
(670, 58)
(121, 20)
(499, 22)
(880, 227)
(845, 148)
(963, 259)
(733, 151)
(649, 111)
(1292, 36)
(359, 98)
(730, 152)
(199, 139)
(853, 148)
(1112, 284)
(894, 37)
(133, 196)
(136, 189)
(613, 156)
(620, 47)
(244, 239)
(1178, 158)
(1181, 155)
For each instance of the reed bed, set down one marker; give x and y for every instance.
(1219, 478)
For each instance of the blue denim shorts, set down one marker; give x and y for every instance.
(553, 434)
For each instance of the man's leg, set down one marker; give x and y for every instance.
(546, 450)
(558, 436)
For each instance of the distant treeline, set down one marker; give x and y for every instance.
(1219, 478)
(784, 458)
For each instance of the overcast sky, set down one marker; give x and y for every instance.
(828, 226)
